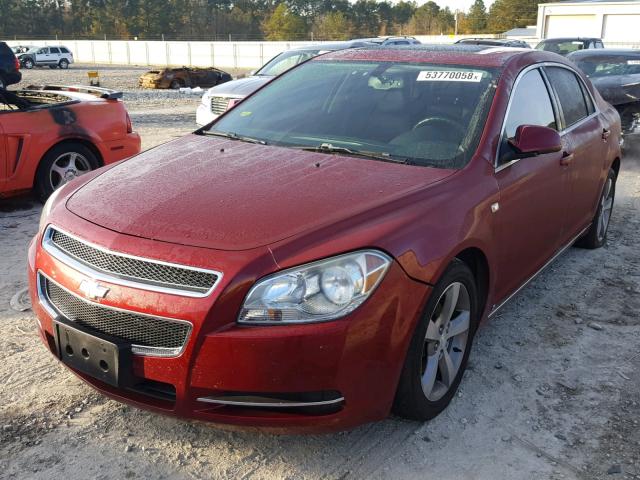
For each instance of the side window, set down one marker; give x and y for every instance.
(530, 105)
(54, 50)
(587, 98)
(43, 51)
(64, 50)
(599, 44)
(570, 94)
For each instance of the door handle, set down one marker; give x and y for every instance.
(566, 159)
(605, 133)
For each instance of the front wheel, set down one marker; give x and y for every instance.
(439, 350)
(597, 233)
(62, 164)
(28, 63)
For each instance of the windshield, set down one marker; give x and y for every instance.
(563, 47)
(286, 60)
(603, 66)
(425, 114)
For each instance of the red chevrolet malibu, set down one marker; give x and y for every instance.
(323, 253)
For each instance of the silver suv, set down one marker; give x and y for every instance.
(52, 56)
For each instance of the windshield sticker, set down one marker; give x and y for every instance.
(448, 76)
(633, 62)
(245, 114)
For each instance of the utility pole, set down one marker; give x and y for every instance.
(455, 18)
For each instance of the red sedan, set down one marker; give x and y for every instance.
(324, 252)
(50, 135)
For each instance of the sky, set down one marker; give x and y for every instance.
(459, 4)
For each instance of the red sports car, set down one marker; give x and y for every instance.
(324, 252)
(50, 135)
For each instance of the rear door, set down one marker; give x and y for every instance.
(531, 214)
(587, 139)
(54, 55)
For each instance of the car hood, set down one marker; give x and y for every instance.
(230, 195)
(618, 89)
(241, 87)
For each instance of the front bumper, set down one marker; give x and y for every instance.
(204, 116)
(355, 360)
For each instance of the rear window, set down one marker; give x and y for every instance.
(610, 65)
(426, 114)
(4, 49)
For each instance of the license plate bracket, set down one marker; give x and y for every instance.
(105, 358)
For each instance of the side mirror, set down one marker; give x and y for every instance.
(532, 140)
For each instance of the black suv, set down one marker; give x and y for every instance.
(9, 67)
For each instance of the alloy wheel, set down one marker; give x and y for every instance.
(445, 341)
(606, 206)
(66, 167)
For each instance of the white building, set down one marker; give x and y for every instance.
(613, 21)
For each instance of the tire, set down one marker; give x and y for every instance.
(596, 236)
(63, 64)
(28, 63)
(62, 164)
(176, 84)
(426, 359)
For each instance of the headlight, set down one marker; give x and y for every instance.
(206, 99)
(316, 292)
(46, 210)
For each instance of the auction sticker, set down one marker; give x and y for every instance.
(449, 76)
(633, 62)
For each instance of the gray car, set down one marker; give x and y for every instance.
(218, 99)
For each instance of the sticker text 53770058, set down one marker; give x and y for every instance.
(449, 76)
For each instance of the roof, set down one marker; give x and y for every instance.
(334, 45)
(461, 54)
(603, 52)
(570, 39)
(521, 32)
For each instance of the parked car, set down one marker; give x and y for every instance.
(218, 99)
(325, 251)
(53, 56)
(616, 75)
(9, 67)
(50, 135)
(390, 41)
(565, 46)
(17, 49)
(176, 78)
(494, 42)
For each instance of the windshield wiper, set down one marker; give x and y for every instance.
(235, 136)
(328, 148)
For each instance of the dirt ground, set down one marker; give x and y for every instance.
(552, 391)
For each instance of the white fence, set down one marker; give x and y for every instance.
(243, 55)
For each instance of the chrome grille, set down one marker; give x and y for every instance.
(219, 105)
(143, 273)
(147, 334)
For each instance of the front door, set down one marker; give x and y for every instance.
(531, 215)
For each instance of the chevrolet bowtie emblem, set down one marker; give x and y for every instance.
(93, 290)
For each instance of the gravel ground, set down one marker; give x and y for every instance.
(552, 391)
